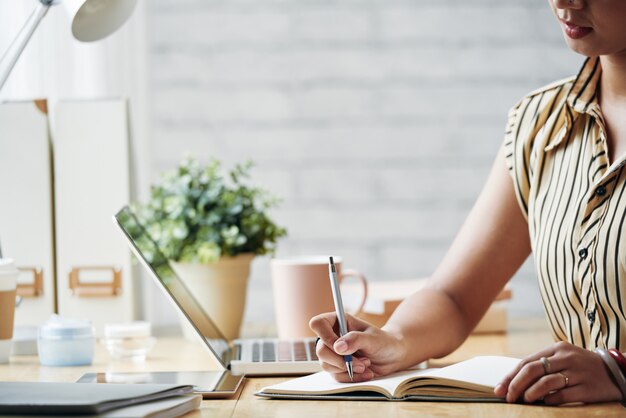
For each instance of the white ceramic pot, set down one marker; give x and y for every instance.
(220, 289)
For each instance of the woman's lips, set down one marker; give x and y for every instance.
(575, 31)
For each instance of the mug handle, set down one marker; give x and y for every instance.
(361, 278)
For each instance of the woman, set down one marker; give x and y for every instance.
(563, 198)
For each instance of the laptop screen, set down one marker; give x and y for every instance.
(153, 259)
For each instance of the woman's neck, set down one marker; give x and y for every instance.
(613, 78)
(613, 103)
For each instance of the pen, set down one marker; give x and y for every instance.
(341, 318)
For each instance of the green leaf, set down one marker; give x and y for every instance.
(198, 212)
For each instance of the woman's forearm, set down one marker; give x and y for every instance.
(429, 324)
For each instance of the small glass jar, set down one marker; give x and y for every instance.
(66, 342)
(131, 340)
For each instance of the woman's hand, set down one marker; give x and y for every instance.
(378, 352)
(574, 375)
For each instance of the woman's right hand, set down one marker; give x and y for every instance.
(375, 352)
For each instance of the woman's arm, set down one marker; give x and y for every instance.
(490, 247)
(488, 250)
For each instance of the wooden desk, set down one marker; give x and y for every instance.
(524, 337)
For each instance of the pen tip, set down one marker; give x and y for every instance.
(331, 260)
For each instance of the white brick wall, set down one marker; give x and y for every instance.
(375, 121)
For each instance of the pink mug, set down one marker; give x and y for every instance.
(302, 290)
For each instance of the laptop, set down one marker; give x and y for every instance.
(260, 356)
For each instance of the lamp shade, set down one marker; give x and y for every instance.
(93, 20)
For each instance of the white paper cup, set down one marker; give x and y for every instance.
(8, 283)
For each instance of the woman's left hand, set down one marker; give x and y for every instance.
(570, 374)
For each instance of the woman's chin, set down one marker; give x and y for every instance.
(592, 48)
(582, 48)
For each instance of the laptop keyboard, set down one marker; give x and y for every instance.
(263, 351)
(278, 350)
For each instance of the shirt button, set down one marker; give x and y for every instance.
(582, 253)
(591, 316)
(600, 191)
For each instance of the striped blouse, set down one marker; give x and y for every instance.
(573, 199)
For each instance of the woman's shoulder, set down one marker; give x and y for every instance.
(537, 122)
(538, 119)
(548, 98)
(545, 105)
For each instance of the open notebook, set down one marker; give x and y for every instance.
(471, 381)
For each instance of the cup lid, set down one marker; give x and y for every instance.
(57, 327)
(5, 261)
(8, 274)
(136, 329)
(7, 264)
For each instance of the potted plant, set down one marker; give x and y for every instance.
(210, 224)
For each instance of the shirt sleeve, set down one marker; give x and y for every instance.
(517, 151)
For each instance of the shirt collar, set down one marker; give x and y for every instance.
(584, 88)
(582, 98)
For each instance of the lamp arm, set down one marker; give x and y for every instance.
(10, 57)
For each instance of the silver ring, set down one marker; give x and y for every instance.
(566, 380)
(546, 365)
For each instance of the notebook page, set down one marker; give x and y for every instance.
(323, 383)
(483, 370)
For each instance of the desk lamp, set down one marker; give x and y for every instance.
(91, 20)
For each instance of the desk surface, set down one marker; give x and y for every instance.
(524, 337)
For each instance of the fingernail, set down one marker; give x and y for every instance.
(341, 346)
(359, 368)
(367, 362)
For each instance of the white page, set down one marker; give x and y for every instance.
(322, 382)
(484, 370)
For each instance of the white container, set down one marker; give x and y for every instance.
(66, 342)
(131, 340)
(26, 208)
(91, 160)
(8, 283)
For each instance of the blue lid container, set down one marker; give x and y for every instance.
(66, 342)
